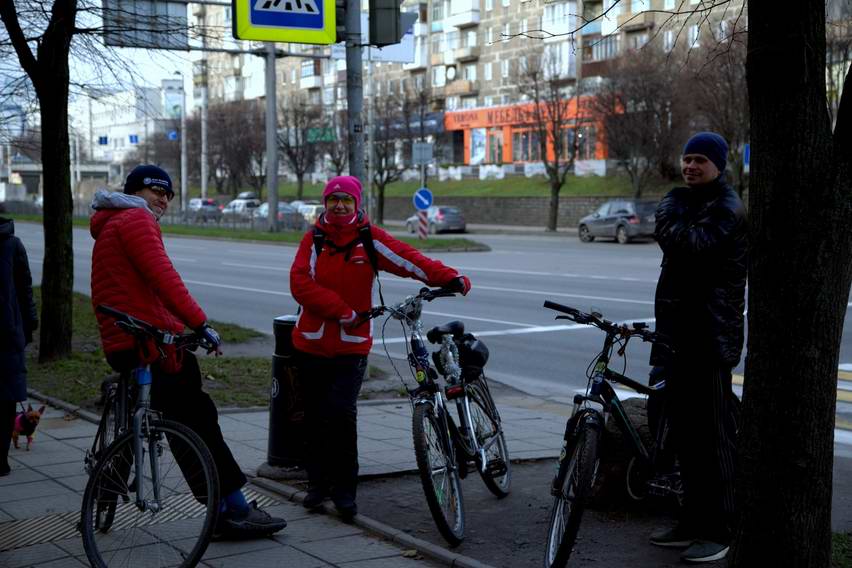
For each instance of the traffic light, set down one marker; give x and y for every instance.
(385, 27)
(340, 19)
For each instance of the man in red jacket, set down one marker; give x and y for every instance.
(132, 273)
(333, 285)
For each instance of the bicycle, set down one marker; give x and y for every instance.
(650, 470)
(174, 477)
(443, 448)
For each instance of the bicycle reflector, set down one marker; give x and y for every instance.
(454, 391)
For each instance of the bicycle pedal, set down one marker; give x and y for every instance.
(496, 468)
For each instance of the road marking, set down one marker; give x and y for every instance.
(563, 295)
(257, 266)
(844, 390)
(241, 288)
(182, 259)
(463, 317)
(559, 274)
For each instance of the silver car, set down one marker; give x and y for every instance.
(621, 219)
(441, 218)
(288, 216)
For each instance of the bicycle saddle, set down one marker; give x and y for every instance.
(454, 328)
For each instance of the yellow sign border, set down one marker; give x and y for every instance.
(244, 29)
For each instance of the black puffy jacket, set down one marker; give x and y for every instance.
(700, 296)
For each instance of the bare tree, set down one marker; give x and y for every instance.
(337, 149)
(720, 94)
(838, 52)
(800, 257)
(387, 169)
(298, 122)
(638, 106)
(542, 78)
(255, 145)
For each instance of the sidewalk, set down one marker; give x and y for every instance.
(40, 500)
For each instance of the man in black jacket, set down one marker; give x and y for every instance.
(18, 321)
(699, 306)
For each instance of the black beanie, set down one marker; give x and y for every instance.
(711, 145)
(148, 176)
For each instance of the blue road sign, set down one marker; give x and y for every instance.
(747, 154)
(134, 139)
(173, 135)
(102, 140)
(422, 199)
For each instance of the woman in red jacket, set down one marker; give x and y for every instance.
(331, 343)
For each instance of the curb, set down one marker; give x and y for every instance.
(68, 407)
(397, 536)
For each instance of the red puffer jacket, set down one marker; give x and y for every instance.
(132, 273)
(331, 286)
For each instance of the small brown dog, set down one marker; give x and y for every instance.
(26, 423)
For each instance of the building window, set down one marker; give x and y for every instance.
(693, 36)
(668, 40)
(468, 102)
(292, 75)
(638, 40)
(557, 18)
(507, 31)
(525, 146)
(489, 35)
(437, 10)
(489, 5)
(439, 76)
(470, 38)
(606, 48)
(453, 103)
(637, 6)
(452, 40)
(487, 69)
(506, 3)
(307, 69)
(504, 68)
(418, 82)
(469, 72)
(669, 5)
(723, 30)
(436, 42)
(489, 101)
(523, 25)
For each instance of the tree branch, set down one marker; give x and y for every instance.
(9, 15)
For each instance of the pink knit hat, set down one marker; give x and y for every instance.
(344, 184)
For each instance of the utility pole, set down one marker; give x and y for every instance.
(371, 152)
(271, 139)
(204, 174)
(355, 90)
(184, 174)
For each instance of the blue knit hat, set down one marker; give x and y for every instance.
(711, 145)
(147, 175)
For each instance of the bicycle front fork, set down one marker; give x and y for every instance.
(141, 429)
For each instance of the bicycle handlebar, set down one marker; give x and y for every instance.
(140, 328)
(638, 328)
(427, 294)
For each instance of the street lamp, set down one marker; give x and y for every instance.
(183, 173)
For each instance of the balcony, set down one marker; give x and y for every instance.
(592, 28)
(436, 59)
(460, 87)
(464, 19)
(312, 82)
(464, 54)
(634, 22)
(420, 61)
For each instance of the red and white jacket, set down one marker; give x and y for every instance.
(132, 273)
(329, 287)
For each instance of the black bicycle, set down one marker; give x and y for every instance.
(446, 449)
(650, 470)
(163, 465)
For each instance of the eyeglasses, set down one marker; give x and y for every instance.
(161, 193)
(344, 199)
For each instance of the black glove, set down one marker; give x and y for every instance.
(460, 284)
(210, 336)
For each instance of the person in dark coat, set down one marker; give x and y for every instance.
(18, 321)
(699, 305)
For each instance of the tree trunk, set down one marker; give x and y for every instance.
(300, 186)
(637, 185)
(553, 210)
(380, 204)
(800, 206)
(57, 280)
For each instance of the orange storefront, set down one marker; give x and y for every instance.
(507, 134)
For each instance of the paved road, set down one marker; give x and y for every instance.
(248, 283)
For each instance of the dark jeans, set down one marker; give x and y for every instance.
(703, 425)
(7, 424)
(179, 397)
(331, 388)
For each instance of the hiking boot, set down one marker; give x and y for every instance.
(314, 498)
(676, 537)
(704, 551)
(254, 523)
(346, 508)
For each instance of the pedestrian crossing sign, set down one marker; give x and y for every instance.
(290, 21)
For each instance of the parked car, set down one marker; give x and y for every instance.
(620, 219)
(311, 211)
(288, 216)
(203, 210)
(240, 209)
(247, 195)
(440, 218)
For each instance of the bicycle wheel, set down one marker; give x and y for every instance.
(109, 426)
(577, 473)
(176, 521)
(496, 472)
(438, 475)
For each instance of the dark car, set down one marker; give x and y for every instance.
(441, 218)
(288, 216)
(622, 220)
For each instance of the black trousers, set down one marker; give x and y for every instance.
(704, 427)
(179, 397)
(7, 424)
(331, 387)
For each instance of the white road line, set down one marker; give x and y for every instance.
(241, 288)
(559, 274)
(562, 294)
(464, 317)
(182, 259)
(513, 331)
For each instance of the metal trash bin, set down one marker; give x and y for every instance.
(286, 406)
